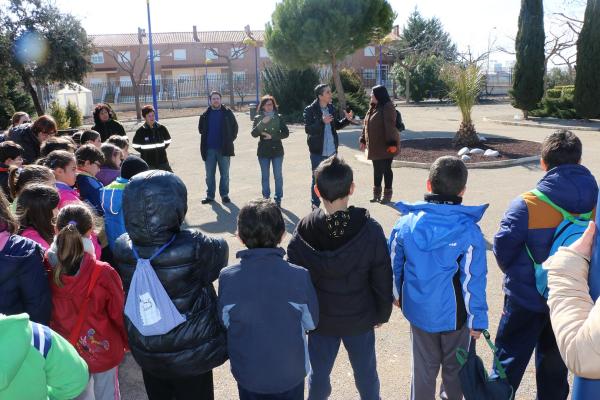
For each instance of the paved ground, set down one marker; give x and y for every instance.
(496, 187)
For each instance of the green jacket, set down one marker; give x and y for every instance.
(276, 127)
(36, 363)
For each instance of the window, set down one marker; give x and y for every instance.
(125, 57)
(368, 73)
(237, 53)
(98, 58)
(156, 55)
(370, 51)
(264, 53)
(210, 55)
(179, 54)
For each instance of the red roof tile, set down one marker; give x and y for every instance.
(213, 37)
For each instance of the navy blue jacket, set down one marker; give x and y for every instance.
(263, 301)
(23, 281)
(529, 221)
(90, 190)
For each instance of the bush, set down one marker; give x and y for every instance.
(554, 93)
(13, 98)
(73, 115)
(60, 116)
(557, 103)
(356, 95)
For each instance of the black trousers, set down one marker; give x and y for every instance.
(382, 169)
(199, 387)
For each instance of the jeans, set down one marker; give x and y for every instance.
(315, 160)
(361, 351)
(214, 158)
(296, 393)
(382, 169)
(522, 331)
(265, 164)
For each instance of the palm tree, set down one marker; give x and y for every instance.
(464, 86)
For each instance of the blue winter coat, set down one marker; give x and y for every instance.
(89, 190)
(529, 221)
(23, 281)
(112, 204)
(439, 264)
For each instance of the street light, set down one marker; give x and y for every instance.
(487, 72)
(383, 41)
(151, 55)
(250, 41)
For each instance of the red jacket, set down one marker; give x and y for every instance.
(102, 340)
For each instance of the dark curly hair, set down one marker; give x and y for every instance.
(101, 106)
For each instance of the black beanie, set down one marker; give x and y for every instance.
(132, 166)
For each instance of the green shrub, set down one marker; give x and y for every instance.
(557, 103)
(356, 95)
(73, 115)
(554, 93)
(60, 116)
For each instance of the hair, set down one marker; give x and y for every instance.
(89, 136)
(17, 117)
(147, 110)
(34, 209)
(334, 178)
(101, 106)
(89, 152)
(263, 100)
(109, 151)
(448, 176)
(58, 159)
(58, 143)
(260, 224)
(121, 142)
(45, 124)
(381, 94)
(77, 138)
(320, 88)
(10, 149)
(213, 93)
(72, 223)
(561, 147)
(19, 178)
(7, 219)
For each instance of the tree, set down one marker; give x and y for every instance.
(424, 80)
(49, 46)
(292, 89)
(308, 32)
(236, 52)
(587, 79)
(528, 83)
(420, 39)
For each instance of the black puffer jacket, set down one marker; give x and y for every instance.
(24, 136)
(108, 128)
(315, 128)
(154, 206)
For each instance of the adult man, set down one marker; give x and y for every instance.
(218, 130)
(321, 127)
(151, 140)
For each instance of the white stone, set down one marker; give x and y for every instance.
(491, 153)
(476, 151)
(465, 158)
(463, 151)
(482, 138)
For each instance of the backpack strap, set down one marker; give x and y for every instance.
(566, 215)
(83, 311)
(158, 252)
(497, 363)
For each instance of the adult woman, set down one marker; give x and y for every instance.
(31, 137)
(271, 129)
(105, 123)
(381, 139)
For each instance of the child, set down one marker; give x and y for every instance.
(112, 198)
(19, 178)
(11, 154)
(526, 234)
(87, 300)
(63, 165)
(439, 264)
(263, 330)
(90, 137)
(110, 169)
(152, 140)
(89, 160)
(346, 253)
(121, 142)
(58, 143)
(37, 207)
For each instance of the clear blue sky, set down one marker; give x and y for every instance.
(469, 22)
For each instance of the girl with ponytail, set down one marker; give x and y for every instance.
(87, 300)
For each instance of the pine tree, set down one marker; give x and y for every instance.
(587, 80)
(528, 82)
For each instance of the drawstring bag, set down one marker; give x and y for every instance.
(474, 379)
(148, 306)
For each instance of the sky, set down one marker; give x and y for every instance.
(471, 23)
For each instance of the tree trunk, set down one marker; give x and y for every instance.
(230, 79)
(136, 96)
(407, 85)
(34, 96)
(525, 114)
(338, 85)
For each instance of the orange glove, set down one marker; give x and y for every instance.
(392, 149)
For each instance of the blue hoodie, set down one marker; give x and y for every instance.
(112, 203)
(439, 264)
(529, 221)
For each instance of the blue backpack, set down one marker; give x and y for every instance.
(568, 231)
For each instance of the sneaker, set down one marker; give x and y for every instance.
(226, 200)
(207, 200)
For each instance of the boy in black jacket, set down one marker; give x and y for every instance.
(346, 253)
(151, 141)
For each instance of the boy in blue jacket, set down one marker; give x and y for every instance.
(440, 273)
(89, 159)
(530, 224)
(267, 305)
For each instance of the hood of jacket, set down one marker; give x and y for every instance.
(154, 207)
(571, 186)
(15, 340)
(112, 196)
(436, 225)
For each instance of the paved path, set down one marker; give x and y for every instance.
(496, 187)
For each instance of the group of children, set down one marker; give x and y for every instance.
(279, 319)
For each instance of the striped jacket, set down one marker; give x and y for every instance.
(439, 264)
(152, 143)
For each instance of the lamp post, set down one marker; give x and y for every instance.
(382, 42)
(151, 55)
(487, 72)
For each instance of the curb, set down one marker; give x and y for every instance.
(479, 165)
(533, 124)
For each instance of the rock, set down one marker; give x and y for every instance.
(491, 153)
(476, 151)
(463, 151)
(465, 158)
(482, 138)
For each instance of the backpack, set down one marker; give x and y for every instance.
(148, 306)
(399, 124)
(569, 230)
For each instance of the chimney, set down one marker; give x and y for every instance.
(141, 34)
(195, 34)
